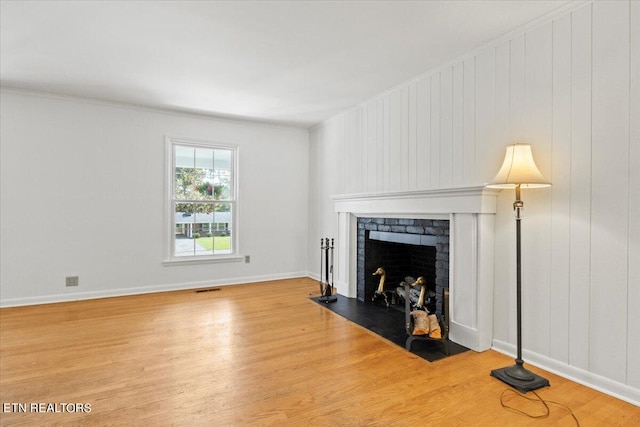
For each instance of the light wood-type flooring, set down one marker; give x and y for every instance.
(258, 354)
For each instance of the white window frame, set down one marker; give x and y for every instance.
(169, 257)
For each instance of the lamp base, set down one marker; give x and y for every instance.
(520, 378)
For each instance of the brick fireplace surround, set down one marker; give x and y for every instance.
(470, 212)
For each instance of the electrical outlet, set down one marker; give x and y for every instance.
(72, 281)
(247, 259)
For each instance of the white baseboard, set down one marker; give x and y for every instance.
(77, 296)
(578, 375)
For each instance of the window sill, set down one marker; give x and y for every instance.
(202, 260)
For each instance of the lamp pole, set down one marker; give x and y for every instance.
(518, 371)
(517, 375)
(518, 205)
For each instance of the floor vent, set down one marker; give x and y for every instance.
(198, 291)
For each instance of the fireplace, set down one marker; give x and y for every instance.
(469, 213)
(403, 247)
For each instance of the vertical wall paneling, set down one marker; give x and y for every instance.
(488, 157)
(359, 163)
(610, 189)
(633, 299)
(505, 292)
(371, 151)
(469, 120)
(580, 199)
(503, 97)
(457, 126)
(363, 148)
(352, 141)
(435, 130)
(346, 152)
(355, 166)
(412, 118)
(340, 155)
(395, 129)
(404, 141)
(560, 176)
(446, 121)
(363, 144)
(380, 154)
(505, 274)
(423, 151)
(504, 218)
(487, 160)
(536, 236)
(516, 131)
(351, 148)
(539, 98)
(387, 141)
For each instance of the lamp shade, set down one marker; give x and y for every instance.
(518, 168)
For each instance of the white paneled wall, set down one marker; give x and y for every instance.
(561, 172)
(609, 189)
(580, 190)
(633, 290)
(570, 87)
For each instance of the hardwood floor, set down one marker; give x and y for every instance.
(258, 354)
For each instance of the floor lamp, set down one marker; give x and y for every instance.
(519, 170)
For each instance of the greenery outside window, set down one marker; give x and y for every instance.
(202, 200)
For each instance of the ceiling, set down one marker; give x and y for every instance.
(286, 62)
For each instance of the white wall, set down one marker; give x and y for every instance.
(570, 87)
(83, 194)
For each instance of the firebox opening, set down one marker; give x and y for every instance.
(402, 247)
(399, 261)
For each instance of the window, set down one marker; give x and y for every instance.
(202, 201)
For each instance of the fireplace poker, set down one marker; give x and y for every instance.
(326, 271)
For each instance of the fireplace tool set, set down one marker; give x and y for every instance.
(326, 272)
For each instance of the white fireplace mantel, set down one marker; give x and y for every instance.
(471, 212)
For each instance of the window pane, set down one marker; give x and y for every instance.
(222, 233)
(222, 174)
(184, 243)
(184, 157)
(203, 175)
(185, 173)
(202, 229)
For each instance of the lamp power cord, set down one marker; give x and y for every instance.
(544, 402)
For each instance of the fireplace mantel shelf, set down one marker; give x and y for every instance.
(477, 199)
